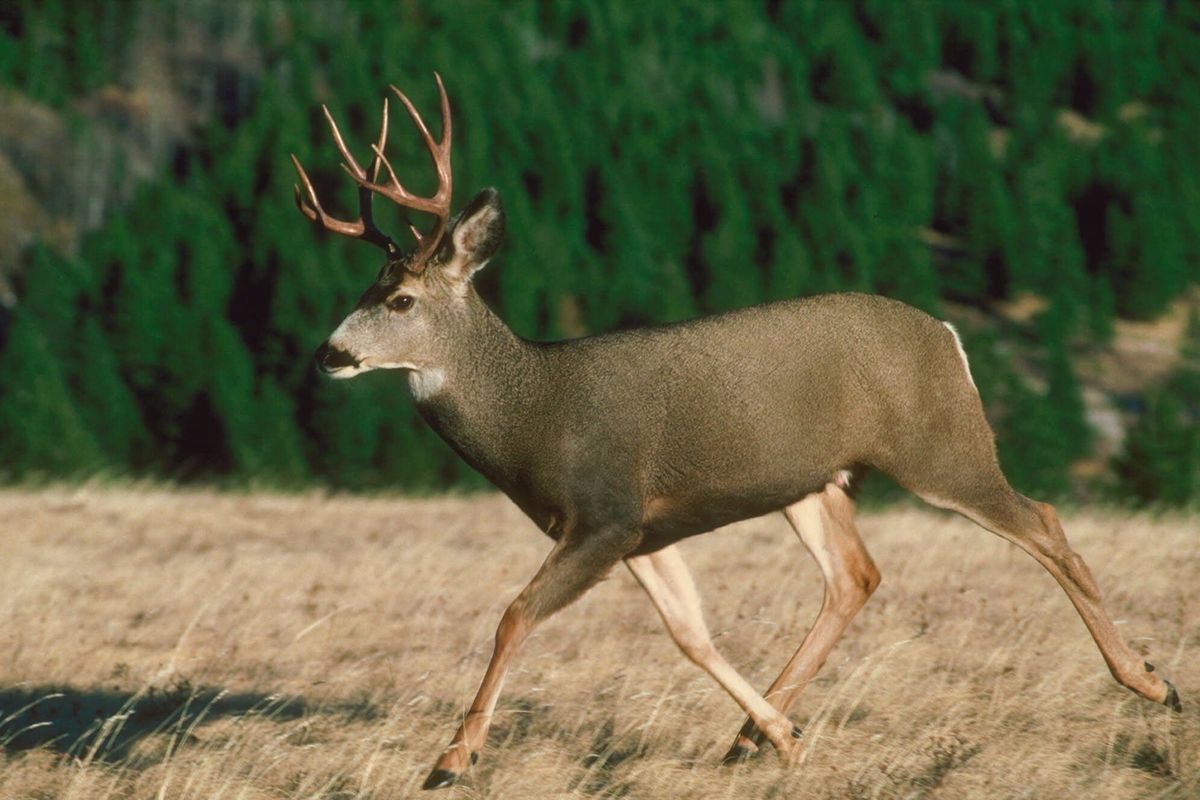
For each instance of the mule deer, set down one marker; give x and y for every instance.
(620, 445)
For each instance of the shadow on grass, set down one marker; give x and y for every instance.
(104, 725)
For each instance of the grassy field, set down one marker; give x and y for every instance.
(200, 645)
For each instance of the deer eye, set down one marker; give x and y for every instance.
(401, 302)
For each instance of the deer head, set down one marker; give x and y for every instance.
(407, 319)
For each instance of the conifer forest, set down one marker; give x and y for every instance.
(1028, 170)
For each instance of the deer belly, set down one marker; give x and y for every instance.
(677, 515)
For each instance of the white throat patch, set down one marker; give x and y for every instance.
(426, 383)
(341, 373)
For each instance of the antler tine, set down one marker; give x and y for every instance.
(348, 160)
(310, 206)
(438, 151)
(364, 227)
(439, 203)
(416, 118)
(365, 195)
(446, 121)
(394, 191)
(383, 130)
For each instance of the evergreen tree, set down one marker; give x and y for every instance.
(1185, 379)
(41, 430)
(1161, 460)
(106, 405)
(1065, 399)
(280, 449)
(1031, 443)
(790, 273)
(1148, 265)
(728, 249)
(903, 169)
(973, 203)
(1044, 253)
(346, 423)
(1101, 311)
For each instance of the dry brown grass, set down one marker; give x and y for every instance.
(301, 647)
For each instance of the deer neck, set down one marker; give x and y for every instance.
(486, 380)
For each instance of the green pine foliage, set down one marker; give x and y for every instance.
(1031, 442)
(1161, 460)
(1064, 397)
(1185, 382)
(657, 161)
(105, 401)
(44, 432)
(1160, 463)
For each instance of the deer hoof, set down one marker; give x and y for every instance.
(795, 748)
(1171, 701)
(740, 754)
(440, 779)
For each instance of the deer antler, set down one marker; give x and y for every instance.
(364, 227)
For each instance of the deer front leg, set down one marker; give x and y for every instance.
(575, 564)
(665, 577)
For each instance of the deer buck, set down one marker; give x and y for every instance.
(620, 445)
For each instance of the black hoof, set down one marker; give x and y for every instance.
(440, 779)
(1149, 666)
(797, 732)
(1171, 701)
(739, 754)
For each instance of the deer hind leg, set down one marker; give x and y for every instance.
(1034, 527)
(825, 524)
(574, 565)
(665, 577)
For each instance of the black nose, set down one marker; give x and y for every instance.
(330, 358)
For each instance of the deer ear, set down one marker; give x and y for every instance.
(475, 235)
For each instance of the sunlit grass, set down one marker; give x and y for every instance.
(182, 644)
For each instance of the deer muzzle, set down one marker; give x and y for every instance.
(331, 360)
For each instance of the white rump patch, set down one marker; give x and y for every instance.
(961, 354)
(425, 383)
